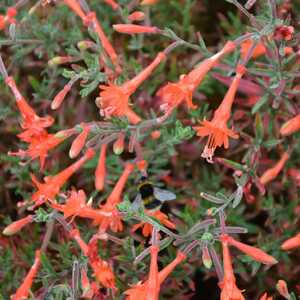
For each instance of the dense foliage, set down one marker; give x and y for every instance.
(111, 108)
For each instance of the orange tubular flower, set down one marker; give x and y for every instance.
(291, 126)
(76, 206)
(100, 172)
(23, 291)
(136, 16)
(273, 172)
(259, 50)
(282, 288)
(139, 291)
(112, 3)
(135, 29)
(40, 146)
(16, 226)
(101, 269)
(103, 273)
(79, 142)
(115, 196)
(153, 286)
(147, 228)
(149, 2)
(216, 129)
(74, 5)
(255, 253)
(173, 94)
(114, 99)
(291, 243)
(110, 217)
(51, 187)
(228, 286)
(75, 235)
(32, 123)
(91, 19)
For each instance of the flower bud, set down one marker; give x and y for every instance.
(17, 225)
(291, 126)
(134, 29)
(155, 134)
(83, 45)
(79, 142)
(58, 60)
(206, 258)
(282, 288)
(136, 16)
(60, 97)
(118, 146)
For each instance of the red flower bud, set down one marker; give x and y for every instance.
(17, 225)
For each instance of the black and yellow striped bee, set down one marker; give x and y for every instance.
(150, 196)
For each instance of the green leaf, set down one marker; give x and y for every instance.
(271, 143)
(68, 74)
(260, 103)
(259, 129)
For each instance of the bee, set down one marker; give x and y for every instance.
(150, 196)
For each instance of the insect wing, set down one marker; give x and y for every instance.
(163, 195)
(137, 203)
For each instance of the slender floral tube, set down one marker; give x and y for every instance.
(255, 253)
(74, 5)
(273, 172)
(229, 290)
(16, 226)
(153, 284)
(100, 171)
(23, 291)
(115, 196)
(91, 19)
(135, 29)
(291, 243)
(291, 126)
